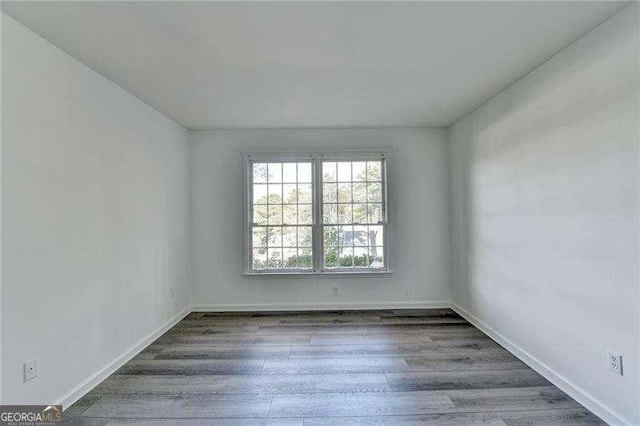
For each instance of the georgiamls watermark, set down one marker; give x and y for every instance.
(30, 415)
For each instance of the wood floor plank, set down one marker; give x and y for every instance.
(403, 328)
(247, 384)
(471, 333)
(358, 404)
(473, 361)
(240, 421)
(318, 320)
(223, 352)
(314, 329)
(229, 321)
(484, 379)
(399, 349)
(552, 417)
(193, 367)
(334, 365)
(440, 362)
(181, 329)
(233, 339)
(357, 339)
(440, 319)
(417, 312)
(171, 406)
(509, 399)
(420, 402)
(445, 333)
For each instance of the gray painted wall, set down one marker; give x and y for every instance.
(418, 221)
(94, 219)
(544, 182)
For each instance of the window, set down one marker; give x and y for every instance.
(316, 213)
(282, 216)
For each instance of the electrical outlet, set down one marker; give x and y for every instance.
(336, 291)
(30, 369)
(615, 362)
(407, 293)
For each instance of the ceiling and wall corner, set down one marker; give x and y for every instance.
(221, 65)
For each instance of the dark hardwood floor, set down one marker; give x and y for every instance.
(326, 368)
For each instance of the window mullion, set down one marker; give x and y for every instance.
(316, 230)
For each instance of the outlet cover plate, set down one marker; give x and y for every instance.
(615, 362)
(30, 369)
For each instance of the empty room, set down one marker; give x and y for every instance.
(320, 213)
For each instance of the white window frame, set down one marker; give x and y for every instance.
(316, 158)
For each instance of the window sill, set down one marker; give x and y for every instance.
(341, 274)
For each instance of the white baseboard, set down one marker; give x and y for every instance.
(322, 306)
(84, 388)
(574, 391)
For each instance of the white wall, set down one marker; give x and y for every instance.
(418, 222)
(545, 214)
(94, 219)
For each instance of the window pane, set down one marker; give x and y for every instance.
(331, 236)
(330, 192)
(346, 257)
(374, 213)
(304, 258)
(274, 236)
(290, 257)
(289, 194)
(304, 172)
(275, 172)
(259, 173)
(376, 257)
(304, 214)
(289, 172)
(304, 193)
(290, 214)
(344, 213)
(304, 236)
(275, 193)
(344, 192)
(360, 213)
(260, 214)
(374, 171)
(344, 171)
(376, 235)
(360, 192)
(330, 213)
(275, 214)
(361, 257)
(329, 172)
(289, 236)
(331, 257)
(259, 237)
(359, 171)
(345, 236)
(259, 258)
(260, 194)
(274, 260)
(360, 236)
(374, 192)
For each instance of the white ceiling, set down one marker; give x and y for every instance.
(312, 64)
